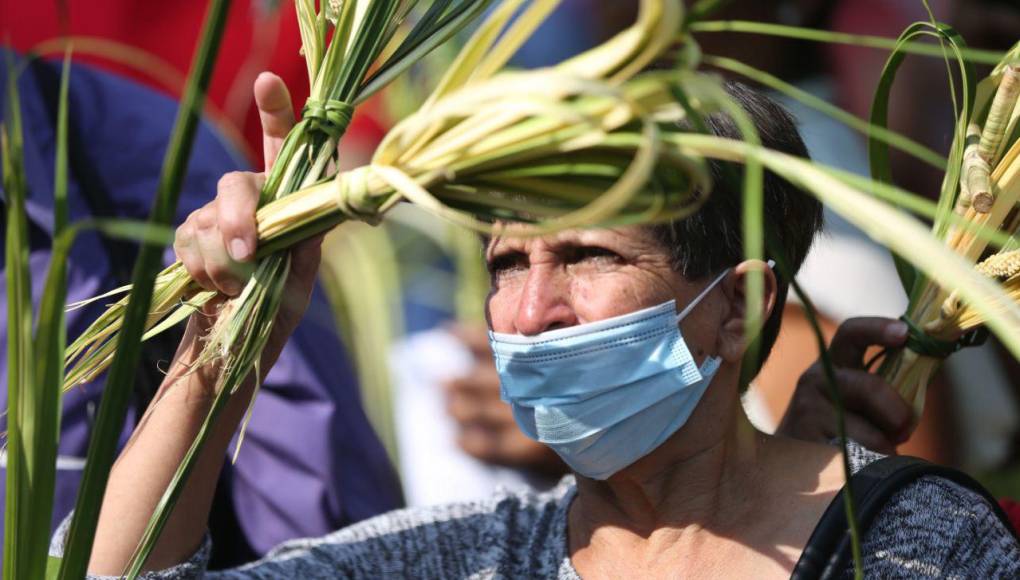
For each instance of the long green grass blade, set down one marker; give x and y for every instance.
(126, 229)
(20, 361)
(849, 503)
(362, 32)
(878, 151)
(698, 88)
(880, 133)
(973, 55)
(119, 382)
(362, 284)
(411, 52)
(702, 9)
(41, 421)
(811, 313)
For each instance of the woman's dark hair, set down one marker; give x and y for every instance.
(711, 240)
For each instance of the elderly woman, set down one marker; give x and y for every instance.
(622, 350)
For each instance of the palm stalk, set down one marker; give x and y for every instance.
(981, 192)
(343, 72)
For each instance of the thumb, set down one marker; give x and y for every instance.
(276, 113)
(857, 334)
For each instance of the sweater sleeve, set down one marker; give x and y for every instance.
(191, 569)
(935, 528)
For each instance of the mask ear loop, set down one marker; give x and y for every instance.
(687, 310)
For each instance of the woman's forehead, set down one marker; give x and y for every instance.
(615, 235)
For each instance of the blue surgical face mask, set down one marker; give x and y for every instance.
(604, 394)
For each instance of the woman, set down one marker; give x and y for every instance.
(671, 479)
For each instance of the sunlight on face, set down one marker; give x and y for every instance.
(576, 276)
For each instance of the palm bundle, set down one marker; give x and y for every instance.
(982, 228)
(573, 134)
(351, 49)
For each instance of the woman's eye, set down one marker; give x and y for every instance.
(507, 264)
(596, 255)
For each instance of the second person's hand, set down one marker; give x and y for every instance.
(876, 416)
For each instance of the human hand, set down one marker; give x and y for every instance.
(487, 430)
(876, 415)
(217, 242)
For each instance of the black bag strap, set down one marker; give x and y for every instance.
(827, 553)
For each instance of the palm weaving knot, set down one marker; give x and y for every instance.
(924, 344)
(354, 196)
(331, 117)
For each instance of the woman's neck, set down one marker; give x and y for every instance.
(700, 485)
(687, 481)
(717, 496)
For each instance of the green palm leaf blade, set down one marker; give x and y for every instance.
(18, 531)
(116, 395)
(976, 56)
(362, 283)
(41, 405)
(878, 151)
(885, 224)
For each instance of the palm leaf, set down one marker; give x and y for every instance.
(878, 152)
(41, 403)
(976, 56)
(120, 379)
(18, 522)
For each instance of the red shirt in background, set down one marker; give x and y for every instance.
(164, 35)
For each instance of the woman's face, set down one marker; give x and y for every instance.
(577, 276)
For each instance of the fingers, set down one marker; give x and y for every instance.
(870, 396)
(474, 398)
(275, 112)
(237, 199)
(857, 334)
(225, 227)
(814, 418)
(508, 447)
(864, 432)
(475, 338)
(215, 260)
(186, 249)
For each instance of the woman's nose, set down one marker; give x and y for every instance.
(544, 302)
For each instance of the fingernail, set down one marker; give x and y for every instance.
(239, 249)
(897, 331)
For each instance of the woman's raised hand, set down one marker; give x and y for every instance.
(217, 242)
(217, 246)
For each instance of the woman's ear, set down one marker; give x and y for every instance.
(737, 324)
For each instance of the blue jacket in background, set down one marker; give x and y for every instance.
(310, 462)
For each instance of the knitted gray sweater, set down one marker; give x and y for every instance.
(930, 529)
